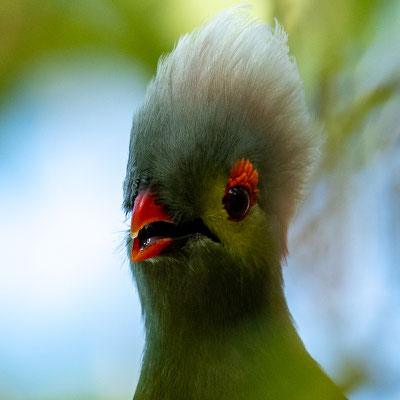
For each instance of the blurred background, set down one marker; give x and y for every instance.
(71, 75)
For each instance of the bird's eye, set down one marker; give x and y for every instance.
(237, 203)
(241, 191)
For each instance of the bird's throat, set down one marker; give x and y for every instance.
(221, 344)
(225, 364)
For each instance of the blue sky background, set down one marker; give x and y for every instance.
(69, 312)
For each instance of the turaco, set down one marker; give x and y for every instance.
(220, 152)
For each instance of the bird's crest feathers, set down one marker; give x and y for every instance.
(237, 73)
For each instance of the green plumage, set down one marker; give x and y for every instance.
(217, 323)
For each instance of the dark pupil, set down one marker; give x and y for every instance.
(237, 202)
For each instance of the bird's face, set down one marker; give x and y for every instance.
(201, 234)
(222, 210)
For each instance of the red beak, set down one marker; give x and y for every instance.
(145, 211)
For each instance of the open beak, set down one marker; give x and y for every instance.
(145, 213)
(153, 231)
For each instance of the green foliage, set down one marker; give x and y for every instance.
(329, 40)
(33, 30)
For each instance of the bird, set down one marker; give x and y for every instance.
(220, 153)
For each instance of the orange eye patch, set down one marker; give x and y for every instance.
(244, 174)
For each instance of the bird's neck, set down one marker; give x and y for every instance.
(223, 341)
(237, 361)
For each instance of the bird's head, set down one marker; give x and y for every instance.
(220, 151)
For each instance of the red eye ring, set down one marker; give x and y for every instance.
(240, 190)
(244, 174)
